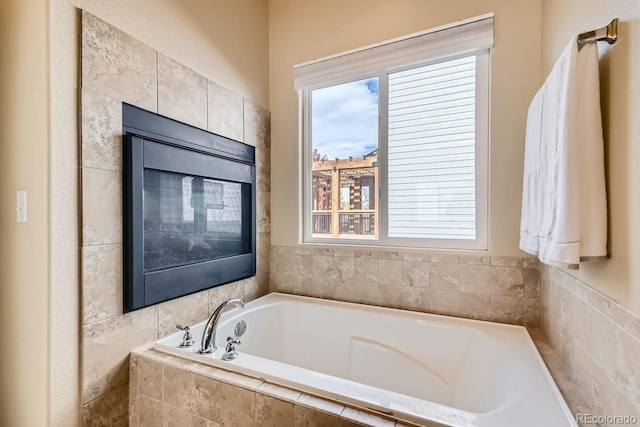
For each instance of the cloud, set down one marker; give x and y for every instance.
(345, 119)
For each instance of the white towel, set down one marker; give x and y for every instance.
(564, 203)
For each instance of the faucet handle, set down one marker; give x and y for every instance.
(230, 350)
(187, 339)
(231, 342)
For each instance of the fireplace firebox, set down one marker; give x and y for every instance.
(189, 209)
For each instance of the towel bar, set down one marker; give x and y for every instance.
(608, 34)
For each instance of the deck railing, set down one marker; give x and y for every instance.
(360, 223)
(322, 222)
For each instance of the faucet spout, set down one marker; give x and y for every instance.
(208, 344)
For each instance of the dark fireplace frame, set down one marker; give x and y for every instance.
(151, 141)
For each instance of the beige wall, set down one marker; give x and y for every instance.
(302, 31)
(618, 277)
(224, 41)
(24, 247)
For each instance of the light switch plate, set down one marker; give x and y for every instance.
(21, 206)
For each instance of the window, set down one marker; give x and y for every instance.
(344, 129)
(395, 141)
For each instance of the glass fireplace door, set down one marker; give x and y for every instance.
(190, 219)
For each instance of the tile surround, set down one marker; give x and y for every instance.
(226, 112)
(237, 406)
(502, 289)
(273, 412)
(101, 131)
(263, 242)
(475, 278)
(443, 302)
(101, 279)
(182, 93)
(570, 390)
(109, 409)
(204, 397)
(101, 207)
(150, 411)
(149, 378)
(174, 417)
(475, 305)
(444, 276)
(415, 274)
(263, 212)
(105, 350)
(390, 272)
(176, 388)
(117, 65)
(597, 339)
(507, 309)
(117, 68)
(507, 281)
(257, 127)
(304, 417)
(192, 394)
(403, 297)
(183, 311)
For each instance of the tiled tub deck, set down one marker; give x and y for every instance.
(171, 391)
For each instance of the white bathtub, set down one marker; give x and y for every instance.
(415, 367)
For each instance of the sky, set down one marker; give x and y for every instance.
(345, 119)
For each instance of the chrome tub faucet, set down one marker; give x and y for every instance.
(208, 344)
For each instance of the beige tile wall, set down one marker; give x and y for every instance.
(598, 341)
(117, 68)
(502, 289)
(170, 391)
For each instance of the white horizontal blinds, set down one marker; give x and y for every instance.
(455, 39)
(431, 143)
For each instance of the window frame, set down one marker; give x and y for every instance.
(482, 130)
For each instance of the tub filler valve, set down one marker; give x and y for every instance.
(209, 335)
(187, 339)
(230, 352)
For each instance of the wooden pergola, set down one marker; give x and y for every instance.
(345, 202)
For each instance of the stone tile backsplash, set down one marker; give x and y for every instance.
(502, 289)
(598, 341)
(117, 68)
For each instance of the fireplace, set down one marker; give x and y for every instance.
(189, 209)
